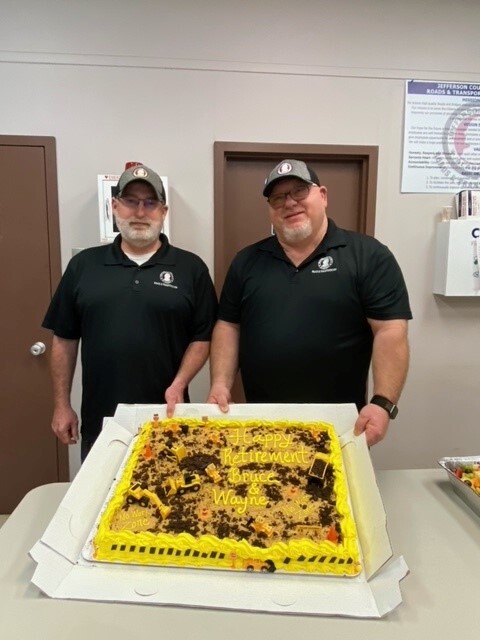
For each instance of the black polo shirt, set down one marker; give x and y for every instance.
(304, 335)
(135, 322)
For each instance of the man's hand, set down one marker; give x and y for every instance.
(65, 425)
(220, 394)
(193, 360)
(373, 420)
(173, 396)
(223, 363)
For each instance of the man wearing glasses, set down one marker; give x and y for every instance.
(143, 310)
(305, 312)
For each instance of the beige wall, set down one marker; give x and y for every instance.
(160, 82)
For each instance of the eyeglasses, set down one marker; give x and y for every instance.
(149, 204)
(298, 193)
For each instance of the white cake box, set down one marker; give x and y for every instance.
(63, 572)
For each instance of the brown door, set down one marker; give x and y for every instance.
(30, 266)
(241, 218)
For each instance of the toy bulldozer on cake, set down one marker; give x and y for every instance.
(181, 484)
(137, 494)
(213, 473)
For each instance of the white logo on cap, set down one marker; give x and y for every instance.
(286, 167)
(166, 277)
(325, 263)
(140, 172)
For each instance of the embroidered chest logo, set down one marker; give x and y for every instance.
(325, 265)
(166, 277)
(166, 280)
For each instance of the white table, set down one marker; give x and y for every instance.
(429, 525)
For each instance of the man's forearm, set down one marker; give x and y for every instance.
(224, 353)
(390, 357)
(193, 360)
(62, 367)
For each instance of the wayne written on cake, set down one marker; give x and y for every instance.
(245, 495)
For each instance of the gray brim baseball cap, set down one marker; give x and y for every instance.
(143, 173)
(290, 169)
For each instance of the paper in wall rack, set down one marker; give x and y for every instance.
(467, 203)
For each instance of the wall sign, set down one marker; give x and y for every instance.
(441, 148)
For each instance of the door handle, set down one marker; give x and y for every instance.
(37, 349)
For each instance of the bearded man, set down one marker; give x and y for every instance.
(143, 310)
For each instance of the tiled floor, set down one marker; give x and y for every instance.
(2, 519)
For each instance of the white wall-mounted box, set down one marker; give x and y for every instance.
(457, 248)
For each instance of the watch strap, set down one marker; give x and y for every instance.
(389, 406)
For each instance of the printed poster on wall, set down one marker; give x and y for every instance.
(108, 228)
(441, 148)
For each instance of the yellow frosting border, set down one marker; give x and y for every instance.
(184, 550)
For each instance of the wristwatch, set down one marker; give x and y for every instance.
(385, 403)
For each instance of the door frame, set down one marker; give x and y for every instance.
(367, 156)
(48, 144)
